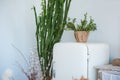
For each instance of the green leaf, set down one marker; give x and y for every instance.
(71, 26)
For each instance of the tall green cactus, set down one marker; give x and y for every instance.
(49, 29)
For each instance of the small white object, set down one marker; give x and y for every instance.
(7, 74)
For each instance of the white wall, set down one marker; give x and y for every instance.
(17, 27)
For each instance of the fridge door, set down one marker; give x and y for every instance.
(69, 61)
(98, 56)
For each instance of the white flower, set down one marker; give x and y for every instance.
(7, 74)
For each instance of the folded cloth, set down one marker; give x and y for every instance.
(110, 75)
(109, 67)
(115, 77)
(106, 76)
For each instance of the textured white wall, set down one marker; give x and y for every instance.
(17, 27)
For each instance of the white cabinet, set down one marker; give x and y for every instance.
(73, 60)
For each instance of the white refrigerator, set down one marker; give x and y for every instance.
(73, 60)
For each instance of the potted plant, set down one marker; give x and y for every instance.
(50, 25)
(81, 31)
